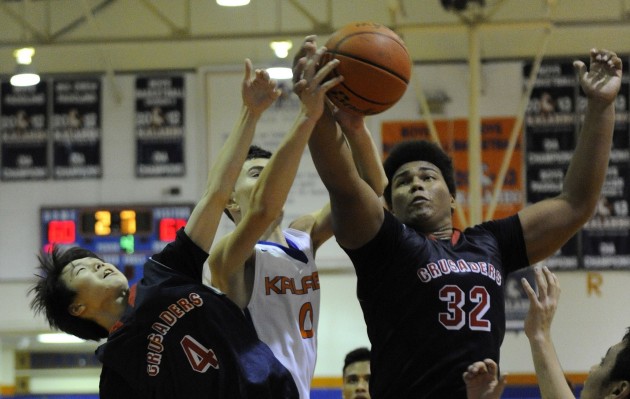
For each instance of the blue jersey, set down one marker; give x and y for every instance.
(181, 339)
(433, 307)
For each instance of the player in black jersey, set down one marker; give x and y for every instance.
(169, 336)
(432, 296)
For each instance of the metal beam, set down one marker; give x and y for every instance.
(162, 17)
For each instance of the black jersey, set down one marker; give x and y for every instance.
(433, 307)
(181, 339)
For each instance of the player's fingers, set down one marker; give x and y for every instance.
(553, 286)
(529, 291)
(541, 283)
(580, 69)
(248, 69)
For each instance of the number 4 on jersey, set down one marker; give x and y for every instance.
(199, 357)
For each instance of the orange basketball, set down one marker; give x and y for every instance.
(375, 65)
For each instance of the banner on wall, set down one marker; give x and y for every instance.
(160, 126)
(23, 130)
(453, 135)
(550, 132)
(554, 116)
(606, 237)
(75, 125)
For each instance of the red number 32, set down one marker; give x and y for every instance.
(455, 317)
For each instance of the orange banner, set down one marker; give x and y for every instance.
(453, 135)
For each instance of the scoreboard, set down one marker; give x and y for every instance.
(123, 235)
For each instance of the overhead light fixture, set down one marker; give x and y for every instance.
(281, 48)
(25, 74)
(280, 73)
(58, 338)
(232, 3)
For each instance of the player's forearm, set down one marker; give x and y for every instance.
(367, 159)
(276, 179)
(587, 170)
(332, 157)
(205, 217)
(551, 378)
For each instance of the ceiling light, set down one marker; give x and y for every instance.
(232, 3)
(25, 74)
(280, 73)
(58, 338)
(281, 48)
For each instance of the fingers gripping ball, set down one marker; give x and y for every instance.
(375, 65)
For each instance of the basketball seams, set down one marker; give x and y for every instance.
(366, 61)
(376, 71)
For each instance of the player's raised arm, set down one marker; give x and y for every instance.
(258, 93)
(548, 224)
(269, 194)
(542, 307)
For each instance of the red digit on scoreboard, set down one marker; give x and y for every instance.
(168, 228)
(61, 231)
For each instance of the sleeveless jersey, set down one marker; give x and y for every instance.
(180, 339)
(284, 306)
(433, 307)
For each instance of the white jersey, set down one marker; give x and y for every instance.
(284, 306)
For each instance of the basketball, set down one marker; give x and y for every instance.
(375, 65)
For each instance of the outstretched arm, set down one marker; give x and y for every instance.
(258, 93)
(367, 161)
(542, 307)
(272, 188)
(548, 224)
(482, 380)
(366, 156)
(357, 212)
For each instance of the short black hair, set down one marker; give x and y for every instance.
(418, 150)
(621, 369)
(357, 355)
(254, 152)
(52, 297)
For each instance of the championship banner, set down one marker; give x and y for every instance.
(160, 126)
(550, 133)
(453, 135)
(23, 132)
(606, 237)
(76, 129)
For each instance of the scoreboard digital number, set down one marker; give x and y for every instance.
(122, 235)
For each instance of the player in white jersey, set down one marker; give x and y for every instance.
(284, 304)
(271, 272)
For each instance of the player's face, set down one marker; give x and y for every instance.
(356, 381)
(245, 183)
(420, 196)
(597, 384)
(98, 285)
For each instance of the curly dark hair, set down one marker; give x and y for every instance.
(418, 150)
(52, 297)
(621, 368)
(357, 355)
(254, 152)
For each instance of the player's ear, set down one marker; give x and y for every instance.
(623, 387)
(76, 309)
(620, 389)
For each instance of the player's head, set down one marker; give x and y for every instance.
(610, 378)
(356, 374)
(410, 167)
(72, 286)
(257, 159)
